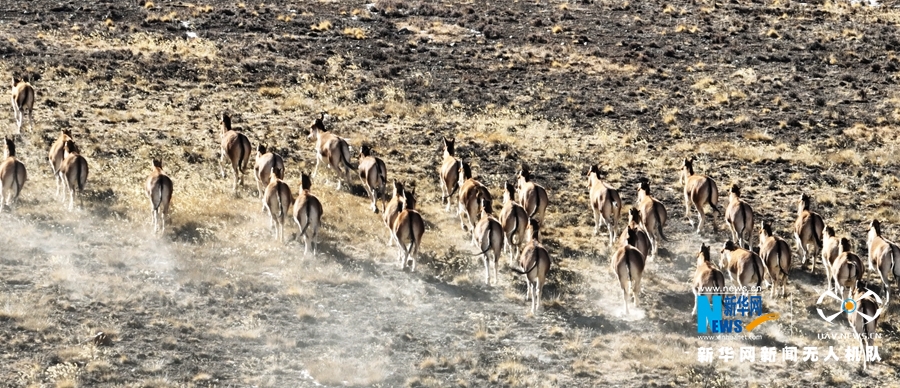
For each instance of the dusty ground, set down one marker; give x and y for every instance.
(779, 97)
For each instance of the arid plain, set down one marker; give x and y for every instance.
(779, 97)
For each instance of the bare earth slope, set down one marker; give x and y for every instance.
(779, 97)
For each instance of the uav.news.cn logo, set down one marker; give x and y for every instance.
(730, 313)
(848, 306)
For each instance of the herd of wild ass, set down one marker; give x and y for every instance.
(516, 231)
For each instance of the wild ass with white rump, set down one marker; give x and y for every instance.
(706, 277)
(776, 255)
(699, 190)
(407, 230)
(532, 197)
(308, 214)
(535, 263)
(235, 148)
(373, 174)
(74, 173)
(449, 173)
(12, 176)
(23, 102)
(628, 266)
(488, 238)
(266, 162)
(884, 258)
(514, 222)
(277, 201)
(159, 190)
(653, 216)
(739, 217)
(335, 151)
(605, 202)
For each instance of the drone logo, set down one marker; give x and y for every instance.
(848, 306)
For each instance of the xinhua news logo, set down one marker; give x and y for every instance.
(731, 313)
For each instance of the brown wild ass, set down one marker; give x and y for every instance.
(535, 263)
(392, 209)
(884, 257)
(23, 102)
(449, 172)
(739, 217)
(628, 266)
(332, 149)
(847, 270)
(699, 190)
(605, 203)
(373, 173)
(277, 202)
(706, 277)
(864, 318)
(408, 229)
(744, 267)
(57, 154)
(831, 249)
(514, 222)
(642, 240)
(159, 190)
(776, 255)
(266, 161)
(12, 176)
(74, 173)
(308, 214)
(807, 229)
(235, 148)
(653, 216)
(532, 196)
(470, 193)
(488, 238)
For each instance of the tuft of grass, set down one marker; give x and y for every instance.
(284, 18)
(355, 372)
(556, 331)
(688, 29)
(361, 14)
(758, 136)
(669, 115)
(306, 313)
(201, 377)
(772, 33)
(848, 156)
(162, 18)
(270, 91)
(704, 83)
(747, 75)
(859, 131)
(324, 25)
(428, 363)
(148, 5)
(481, 331)
(355, 33)
(557, 29)
(851, 34)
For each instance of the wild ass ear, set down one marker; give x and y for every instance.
(225, 121)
